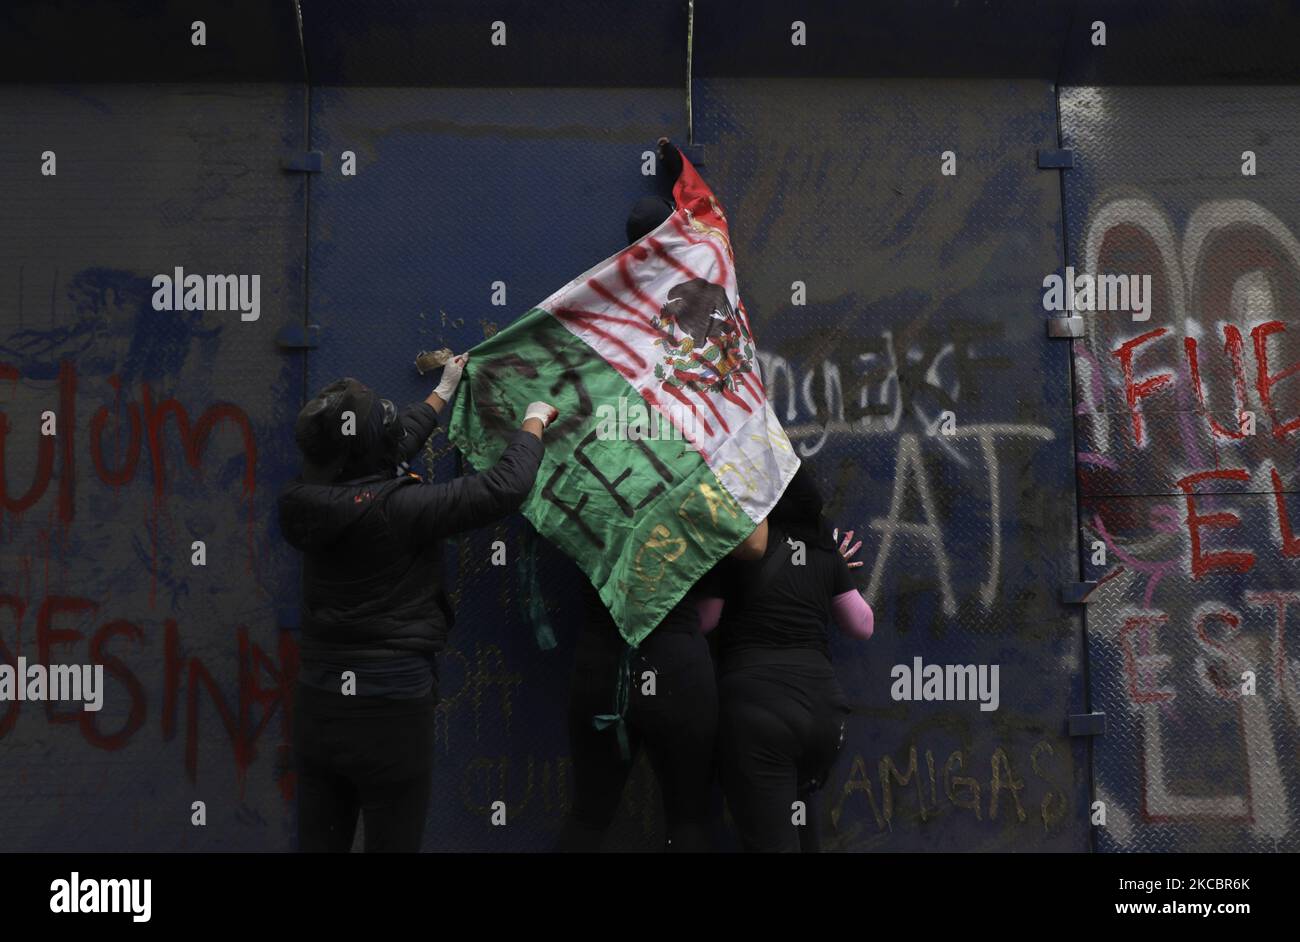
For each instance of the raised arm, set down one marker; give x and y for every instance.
(849, 609)
(432, 511)
(419, 420)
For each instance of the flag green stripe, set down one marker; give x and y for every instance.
(644, 519)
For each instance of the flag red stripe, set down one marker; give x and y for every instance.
(565, 314)
(649, 396)
(708, 401)
(630, 283)
(732, 397)
(577, 313)
(612, 298)
(676, 393)
(667, 257)
(744, 384)
(691, 379)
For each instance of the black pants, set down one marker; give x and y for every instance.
(362, 755)
(676, 726)
(780, 729)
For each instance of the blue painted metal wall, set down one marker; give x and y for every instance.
(458, 190)
(170, 429)
(1189, 762)
(477, 165)
(916, 305)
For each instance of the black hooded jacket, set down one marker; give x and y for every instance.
(372, 554)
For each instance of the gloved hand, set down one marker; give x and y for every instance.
(670, 163)
(446, 388)
(544, 412)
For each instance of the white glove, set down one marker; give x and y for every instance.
(451, 377)
(543, 411)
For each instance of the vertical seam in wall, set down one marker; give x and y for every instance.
(306, 240)
(306, 245)
(1085, 674)
(690, 53)
(306, 200)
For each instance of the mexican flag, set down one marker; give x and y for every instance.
(666, 453)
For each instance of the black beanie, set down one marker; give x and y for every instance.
(328, 453)
(647, 213)
(799, 511)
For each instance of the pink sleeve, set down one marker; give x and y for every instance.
(710, 611)
(853, 614)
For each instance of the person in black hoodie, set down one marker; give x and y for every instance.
(374, 613)
(781, 713)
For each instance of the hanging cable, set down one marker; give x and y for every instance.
(690, 47)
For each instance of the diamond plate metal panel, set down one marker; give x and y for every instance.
(457, 190)
(1195, 590)
(921, 297)
(171, 428)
